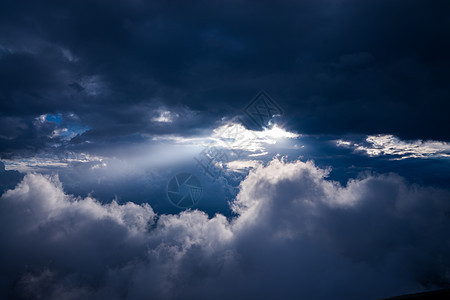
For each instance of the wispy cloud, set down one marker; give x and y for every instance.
(390, 145)
(38, 163)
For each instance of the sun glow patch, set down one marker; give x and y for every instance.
(236, 136)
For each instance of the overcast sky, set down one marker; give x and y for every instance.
(224, 149)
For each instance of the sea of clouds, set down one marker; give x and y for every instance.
(295, 234)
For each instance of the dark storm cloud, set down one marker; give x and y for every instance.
(335, 66)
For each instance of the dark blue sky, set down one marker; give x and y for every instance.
(347, 179)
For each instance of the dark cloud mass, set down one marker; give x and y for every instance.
(370, 67)
(344, 192)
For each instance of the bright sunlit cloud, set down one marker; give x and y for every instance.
(390, 145)
(235, 136)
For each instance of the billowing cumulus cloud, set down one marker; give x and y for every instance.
(295, 234)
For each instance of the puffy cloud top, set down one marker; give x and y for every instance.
(294, 233)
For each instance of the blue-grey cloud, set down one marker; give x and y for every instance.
(374, 237)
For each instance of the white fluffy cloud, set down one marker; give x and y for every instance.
(295, 235)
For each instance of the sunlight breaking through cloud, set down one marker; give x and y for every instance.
(235, 136)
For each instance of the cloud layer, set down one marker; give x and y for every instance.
(127, 69)
(389, 145)
(295, 234)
